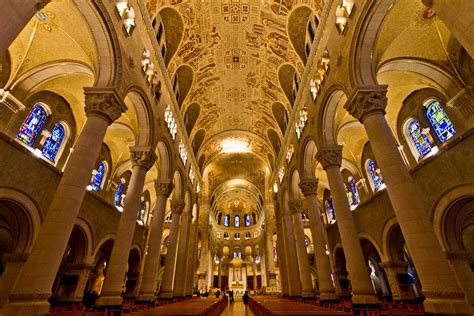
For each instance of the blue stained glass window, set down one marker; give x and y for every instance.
(439, 121)
(118, 194)
(33, 125)
(247, 220)
(419, 140)
(236, 221)
(330, 211)
(53, 143)
(353, 190)
(226, 220)
(98, 177)
(375, 175)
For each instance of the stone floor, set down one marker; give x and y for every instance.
(237, 309)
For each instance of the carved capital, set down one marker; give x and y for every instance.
(309, 186)
(177, 206)
(164, 187)
(40, 4)
(367, 100)
(330, 155)
(142, 157)
(105, 103)
(296, 206)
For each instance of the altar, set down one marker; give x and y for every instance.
(237, 275)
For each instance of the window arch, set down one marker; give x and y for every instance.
(331, 213)
(97, 182)
(236, 221)
(219, 219)
(439, 120)
(142, 214)
(119, 194)
(311, 31)
(254, 218)
(226, 220)
(418, 141)
(54, 142)
(374, 175)
(352, 193)
(247, 220)
(33, 125)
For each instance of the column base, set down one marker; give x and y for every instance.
(109, 301)
(307, 294)
(364, 299)
(21, 308)
(329, 297)
(166, 295)
(145, 298)
(446, 306)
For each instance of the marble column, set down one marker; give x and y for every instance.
(263, 270)
(219, 274)
(183, 254)
(177, 207)
(254, 268)
(13, 264)
(281, 253)
(268, 254)
(147, 290)
(33, 288)
(443, 294)
(309, 187)
(14, 16)
(294, 282)
(142, 160)
(191, 263)
(296, 207)
(363, 293)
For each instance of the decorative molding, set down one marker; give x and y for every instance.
(330, 155)
(309, 186)
(367, 100)
(15, 297)
(443, 295)
(177, 206)
(463, 102)
(296, 206)
(104, 102)
(164, 187)
(14, 257)
(142, 157)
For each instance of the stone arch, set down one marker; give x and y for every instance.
(174, 31)
(144, 115)
(191, 116)
(185, 80)
(294, 184)
(198, 139)
(281, 116)
(373, 260)
(307, 160)
(178, 191)
(296, 28)
(87, 231)
(164, 158)
(274, 140)
(334, 99)
(286, 73)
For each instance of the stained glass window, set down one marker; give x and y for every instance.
(354, 194)
(118, 194)
(439, 121)
(331, 213)
(53, 143)
(33, 125)
(98, 177)
(275, 255)
(418, 139)
(375, 175)
(236, 221)
(142, 213)
(219, 219)
(247, 220)
(226, 220)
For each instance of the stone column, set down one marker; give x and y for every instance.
(281, 253)
(147, 290)
(458, 17)
(294, 282)
(33, 288)
(177, 207)
(219, 274)
(14, 16)
(191, 263)
(13, 264)
(309, 187)
(443, 294)
(460, 261)
(301, 253)
(263, 270)
(400, 292)
(142, 160)
(268, 253)
(183, 254)
(330, 158)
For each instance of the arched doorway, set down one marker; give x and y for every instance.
(377, 275)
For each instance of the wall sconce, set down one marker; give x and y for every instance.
(343, 13)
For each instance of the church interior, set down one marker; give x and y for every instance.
(313, 156)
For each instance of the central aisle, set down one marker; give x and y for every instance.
(237, 309)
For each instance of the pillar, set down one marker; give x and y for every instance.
(263, 270)
(13, 264)
(183, 254)
(309, 187)
(296, 207)
(82, 270)
(460, 262)
(147, 290)
(330, 158)
(281, 253)
(191, 263)
(400, 292)
(33, 288)
(294, 282)
(268, 254)
(14, 16)
(219, 274)
(143, 159)
(177, 207)
(443, 294)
